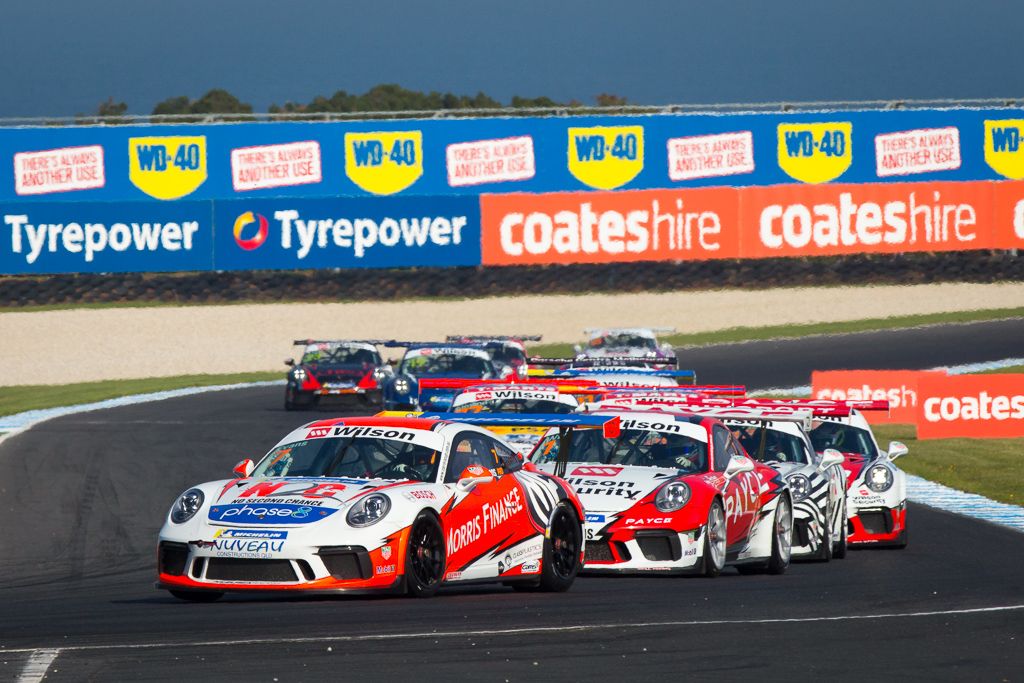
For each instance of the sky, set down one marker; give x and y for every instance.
(62, 57)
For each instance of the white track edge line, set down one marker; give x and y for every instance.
(37, 665)
(526, 630)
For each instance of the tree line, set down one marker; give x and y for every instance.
(387, 97)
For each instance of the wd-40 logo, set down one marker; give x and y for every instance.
(384, 163)
(606, 157)
(1004, 147)
(815, 152)
(167, 167)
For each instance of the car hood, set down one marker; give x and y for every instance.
(613, 488)
(287, 501)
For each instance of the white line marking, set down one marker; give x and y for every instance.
(520, 631)
(37, 665)
(921, 490)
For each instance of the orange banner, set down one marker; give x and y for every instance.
(899, 387)
(607, 227)
(975, 406)
(751, 222)
(826, 220)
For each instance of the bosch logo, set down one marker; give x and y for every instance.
(255, 241)
(588, 471)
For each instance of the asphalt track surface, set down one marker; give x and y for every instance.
(82, 498)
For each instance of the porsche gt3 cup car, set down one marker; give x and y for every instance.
(620, 372)
(516, 398)
(626, 341)
(435, 360)
(876, 488)
(673, 493)
(338, 369)
(505, 351)
(376, 503)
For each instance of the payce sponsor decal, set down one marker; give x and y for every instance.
(973, 406)
(167, 167)
(815, 152)
(640, 225)
(606, 157)
(384, 162)
(107, 237)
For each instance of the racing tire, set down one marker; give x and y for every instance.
(562, 551)
(840, 548)
(782, 538)
(901, 542)
(424, 556)
(713, 556)
(825, 545)
(291, 402)
(197, 596)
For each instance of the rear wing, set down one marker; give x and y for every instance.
(655, 330)
(493, 337)
(669, 393)
(684, 401)
(563, 385)
(611, 371)
(602, 361)
(566, 424)
(307, 342)
(399, 344)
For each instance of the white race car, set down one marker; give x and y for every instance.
(376, 503)
(626, 341)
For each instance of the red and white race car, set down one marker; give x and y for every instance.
(672, 492)
(377, 503)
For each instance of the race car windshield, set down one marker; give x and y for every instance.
(340, 355)
(450, 365)
(778, 446)
(506, 355)
(844, 438)
(351, 457)
(641, 447)
(623, 341)
(514, 405)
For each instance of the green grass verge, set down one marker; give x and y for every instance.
(993, 468)
(1002, 371)
(738, 334)
(19, 399)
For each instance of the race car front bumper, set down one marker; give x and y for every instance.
(878, 526)
(643, 550)
(807, 528)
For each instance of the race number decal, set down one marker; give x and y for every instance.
(815, 152)
(384, 163)
(168, 167)
(606, 157)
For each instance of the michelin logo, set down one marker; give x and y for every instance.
(90, 239)
(362, 234)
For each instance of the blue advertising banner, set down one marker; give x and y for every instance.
(346, 232)
(62, 237)
(500, 155)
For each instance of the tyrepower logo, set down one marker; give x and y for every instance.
(976, 406)
(607, 227)
(821, 220)
(899, 387)
(254, 240)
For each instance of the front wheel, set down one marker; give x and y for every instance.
(424, 556)
(197, 596)
(839, 551)
(714, 541)
(562, 548)
(825, 545)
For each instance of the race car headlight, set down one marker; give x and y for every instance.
(369, 510)
(800, 486)
(402, 386)
(672, 496)
(379, 374)
(299, 374)
(878, 478)
(187, 506)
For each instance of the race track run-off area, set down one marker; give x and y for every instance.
(83, 496)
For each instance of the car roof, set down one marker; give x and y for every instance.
(405, 422)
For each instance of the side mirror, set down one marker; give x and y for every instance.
(830, 458)
(738, 464)
(244, 468)
(472, 476)
(896, 449)
(289, 362)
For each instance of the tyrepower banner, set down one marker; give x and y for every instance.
(974, 406)
(751, 222)
(899, 387)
